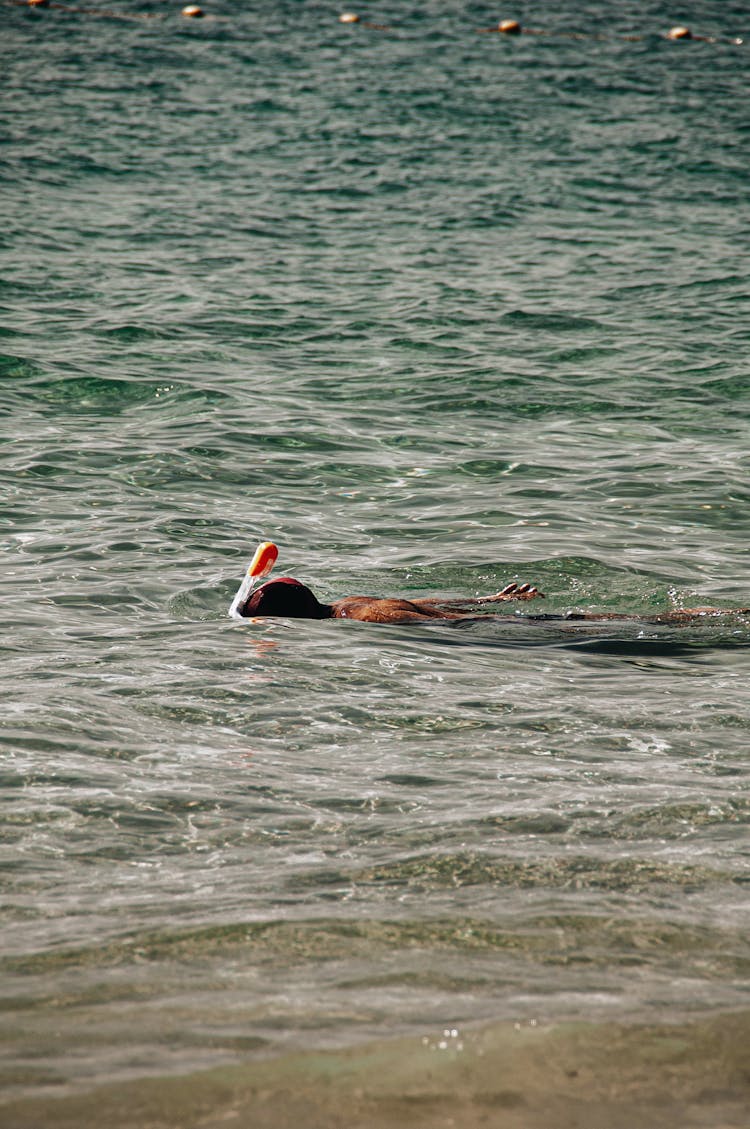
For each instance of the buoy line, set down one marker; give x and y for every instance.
(505, 27)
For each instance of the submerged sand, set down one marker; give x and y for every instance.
(587, 1076)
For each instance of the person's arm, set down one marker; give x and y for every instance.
(510, 592)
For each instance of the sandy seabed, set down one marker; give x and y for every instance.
(587, 1076)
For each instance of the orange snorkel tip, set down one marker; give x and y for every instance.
(264, 559)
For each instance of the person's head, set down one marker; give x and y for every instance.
(284, 597)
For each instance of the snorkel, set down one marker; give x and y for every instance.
(260, 565)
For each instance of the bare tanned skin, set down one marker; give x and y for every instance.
(373, 609)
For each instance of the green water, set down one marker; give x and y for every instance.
(434, 311)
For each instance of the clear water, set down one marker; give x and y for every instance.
(434, 311)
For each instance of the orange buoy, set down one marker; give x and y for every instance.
(509, 27)
(679, 33)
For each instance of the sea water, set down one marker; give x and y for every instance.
(434, 310)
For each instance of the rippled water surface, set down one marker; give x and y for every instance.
(433, 310)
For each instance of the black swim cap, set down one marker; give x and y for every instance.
(285, 597)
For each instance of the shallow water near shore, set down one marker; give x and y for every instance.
(519, 1076)
(434, 311)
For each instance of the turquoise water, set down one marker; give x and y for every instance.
(434, 311)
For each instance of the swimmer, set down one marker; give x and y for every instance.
(288, 597)
(291, 599)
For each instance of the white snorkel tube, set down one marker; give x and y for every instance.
(260, 565)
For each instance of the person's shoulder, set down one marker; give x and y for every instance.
(374, 609)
